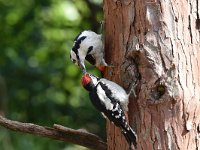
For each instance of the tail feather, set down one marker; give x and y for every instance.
(130, 136)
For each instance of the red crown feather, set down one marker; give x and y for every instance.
(85, 80)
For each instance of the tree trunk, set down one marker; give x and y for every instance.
(157, 44)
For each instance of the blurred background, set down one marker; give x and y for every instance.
(38, 82)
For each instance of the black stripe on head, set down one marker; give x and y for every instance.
(77, 45)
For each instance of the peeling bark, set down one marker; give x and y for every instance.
(156, 43)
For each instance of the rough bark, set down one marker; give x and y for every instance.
(58, 132)
(157, 43)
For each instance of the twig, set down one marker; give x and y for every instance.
(58, 132)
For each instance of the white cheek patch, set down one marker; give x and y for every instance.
(94, 80)
(73, 57)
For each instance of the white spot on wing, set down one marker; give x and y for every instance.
(118, 110)
(118, 116)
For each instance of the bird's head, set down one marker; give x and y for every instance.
(76, 60)
(77, 54)
(89, 81)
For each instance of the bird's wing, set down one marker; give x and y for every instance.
(115, 92)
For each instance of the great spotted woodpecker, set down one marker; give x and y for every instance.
(112, 101)
(88, 45)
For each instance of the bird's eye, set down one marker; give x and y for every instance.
(73, 60)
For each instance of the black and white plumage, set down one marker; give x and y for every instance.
(88, 45)
(112, 101)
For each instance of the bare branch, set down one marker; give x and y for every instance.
(58, 132)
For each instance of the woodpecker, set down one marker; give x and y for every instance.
(88, 45)
(112, 101)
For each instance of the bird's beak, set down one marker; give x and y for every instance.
(82, 67)
(84, 71)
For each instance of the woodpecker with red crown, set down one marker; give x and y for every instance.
(88, 45)
(112, 101)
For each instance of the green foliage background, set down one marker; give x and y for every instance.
(38, 82)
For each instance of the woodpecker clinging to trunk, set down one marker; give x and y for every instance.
(88, 45)
(112, 101)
